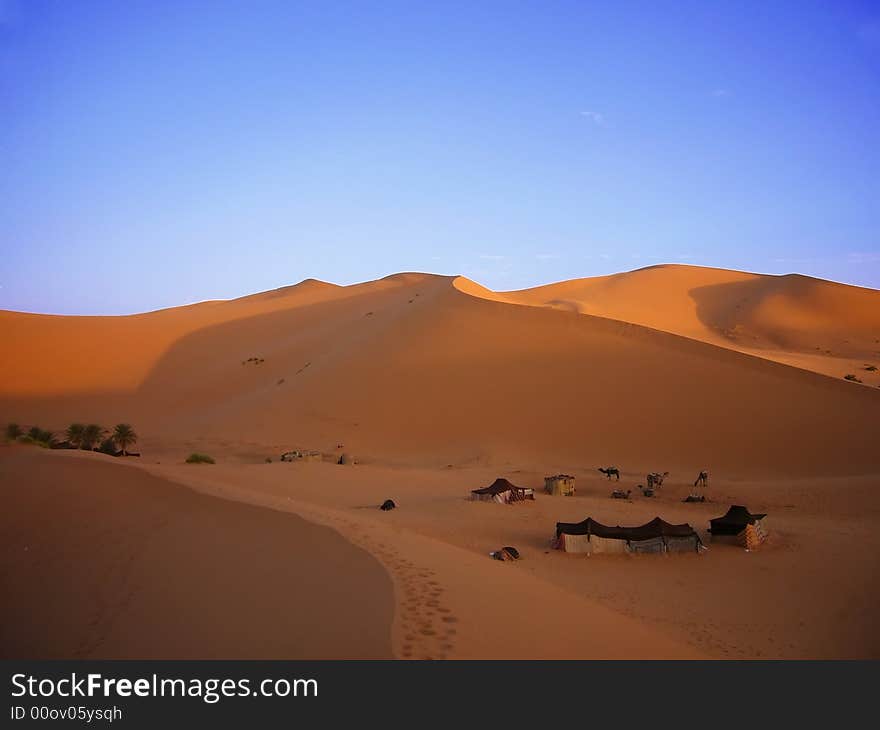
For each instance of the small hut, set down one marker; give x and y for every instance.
(503, 492)
(559, 485)
(739, 527)
(657, 536)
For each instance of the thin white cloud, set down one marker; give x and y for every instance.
(547, 256)
(595, 117)
(493, 257)
(863, 257)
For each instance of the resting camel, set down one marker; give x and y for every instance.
(611, 471)
(620, 494)
(655, 479)
(703, 479)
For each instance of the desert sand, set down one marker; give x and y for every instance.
(101, 561)
(437, 385)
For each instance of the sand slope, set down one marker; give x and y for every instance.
(818, 325)
(104, 561)
(420, 369)
(437, 385)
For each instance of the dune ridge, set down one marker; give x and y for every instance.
(437, 385)
(798, 320)
(420, 368)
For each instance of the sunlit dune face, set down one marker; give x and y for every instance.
(812, 324)
(426, 369)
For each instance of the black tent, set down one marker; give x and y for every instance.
(499, 487)
(734, 522)
(656, 536)
(648, 531)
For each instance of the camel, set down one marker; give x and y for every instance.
(620, 494)
(655, 479)
(703, 479)
(695, 498)
(611, 471)
(647, 491)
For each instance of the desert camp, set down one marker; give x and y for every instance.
(503, 492)
(739, 527)
(657, 536)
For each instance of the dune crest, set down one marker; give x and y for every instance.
(427, 369)
(817, 325)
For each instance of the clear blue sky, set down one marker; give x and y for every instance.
(156, 153)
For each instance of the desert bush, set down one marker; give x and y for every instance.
(13, 431)
(199, 459)
(871, 368)
(852, 378)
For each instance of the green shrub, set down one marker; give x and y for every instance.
(40, 436)
(199, 459)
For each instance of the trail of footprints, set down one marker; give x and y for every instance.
(428, 627)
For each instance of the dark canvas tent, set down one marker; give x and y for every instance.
(656, 536)
(502, 491)
(739, 527)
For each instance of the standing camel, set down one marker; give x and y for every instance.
(703, 479)
(655, 479)
(611, 471)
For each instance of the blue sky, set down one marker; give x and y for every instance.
(155, 153)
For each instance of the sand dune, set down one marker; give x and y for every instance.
(817, 325)
(103, 561)
(419, 369)
(437, 385)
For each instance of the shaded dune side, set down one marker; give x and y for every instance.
(145, 569)
(427, 372)
(767, 315)
(60, 356)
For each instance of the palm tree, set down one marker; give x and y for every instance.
(13, 431)
(75, 434)
(91, 435)
(124, 436)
